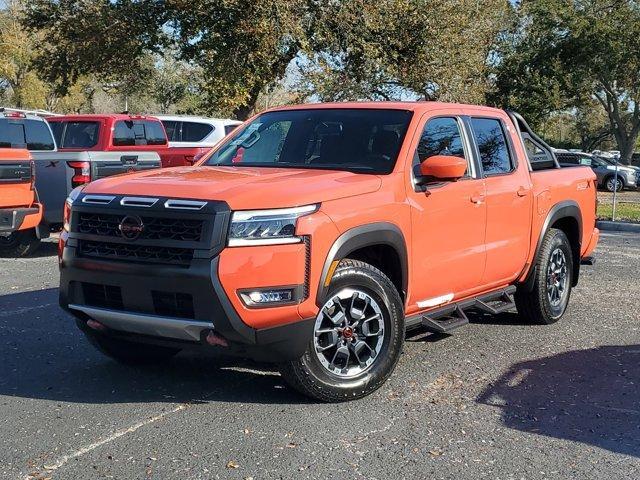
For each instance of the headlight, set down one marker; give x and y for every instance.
(73, 195)
(267, 227)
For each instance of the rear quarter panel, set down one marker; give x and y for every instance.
(554, 186)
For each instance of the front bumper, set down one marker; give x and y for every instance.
(124, 296)
(12, 219)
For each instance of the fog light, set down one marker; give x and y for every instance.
(267, 297)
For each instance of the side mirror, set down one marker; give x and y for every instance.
(443, 167)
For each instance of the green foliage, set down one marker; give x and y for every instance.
(391, 49)
(106, 39)
(565, 55)
(242, 46)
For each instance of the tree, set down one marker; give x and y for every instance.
(432, 50)
(563, 54)
(242, 46)
(109, 40)
(17, 52)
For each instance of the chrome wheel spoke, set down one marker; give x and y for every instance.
(335, 311)
(340, 359)
(326, 339)
(368, 323)
(362, 350)
(355, 312)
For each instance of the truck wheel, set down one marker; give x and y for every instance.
(611, 184)
(131, 353)
(19, 243)
(358, 337)
(548, 300)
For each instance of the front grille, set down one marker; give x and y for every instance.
(155, 228)
(170, 304)
(104, 296)
(135, 252)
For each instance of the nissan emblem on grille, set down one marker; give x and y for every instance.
(131, 227)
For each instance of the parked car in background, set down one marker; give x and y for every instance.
(315, 235)
(59, 171)
(111, 133)
(605, 170)
(20, 211)
(190, 138)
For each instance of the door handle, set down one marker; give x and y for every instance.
(477, 198)
(522, 192)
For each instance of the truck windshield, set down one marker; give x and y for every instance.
(358, 140)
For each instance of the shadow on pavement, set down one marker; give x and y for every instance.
(588, 396)
(48, 248)
(45, 356)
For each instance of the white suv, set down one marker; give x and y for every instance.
(187, 131)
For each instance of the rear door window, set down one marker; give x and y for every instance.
(26, 133)
(195, 132)
(173, 130)
(229, 128)
(138, 132)
(492, 144)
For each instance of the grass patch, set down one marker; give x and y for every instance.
(624, 211)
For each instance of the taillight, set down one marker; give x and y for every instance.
(33, 175)
(81, 173)
(66, 216)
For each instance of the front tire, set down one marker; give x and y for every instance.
(358, 337)
(547, 302)
(130, 353)
(19, 243)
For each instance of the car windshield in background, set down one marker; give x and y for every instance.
(75, 134)
(25, 133)
(358, 140)
(138, 132)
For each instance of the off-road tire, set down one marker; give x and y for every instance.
(19, 244)
(130, 353)
(308, 376)
(535, 305)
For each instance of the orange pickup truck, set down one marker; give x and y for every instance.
(314, 236)
(20, 211)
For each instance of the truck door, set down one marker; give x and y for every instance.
(448, 219)
(508, 184)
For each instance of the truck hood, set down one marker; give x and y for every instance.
(241, 187)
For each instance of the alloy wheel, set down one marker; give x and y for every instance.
(349, 332)
(557, 276)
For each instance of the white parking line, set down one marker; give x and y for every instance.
(117, 434)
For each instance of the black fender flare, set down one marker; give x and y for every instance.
(564, 209)
(378, 233)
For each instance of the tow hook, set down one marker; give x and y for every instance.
(96, 325)
(216, 340)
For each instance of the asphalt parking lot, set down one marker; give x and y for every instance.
(497, 400)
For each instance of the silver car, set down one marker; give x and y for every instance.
(605, 170)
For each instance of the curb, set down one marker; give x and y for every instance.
(609, 226)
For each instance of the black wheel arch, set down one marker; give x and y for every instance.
(566, 216)
(366, 236)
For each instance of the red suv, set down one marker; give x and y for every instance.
(111, 132)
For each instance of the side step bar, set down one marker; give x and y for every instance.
(448, 318)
